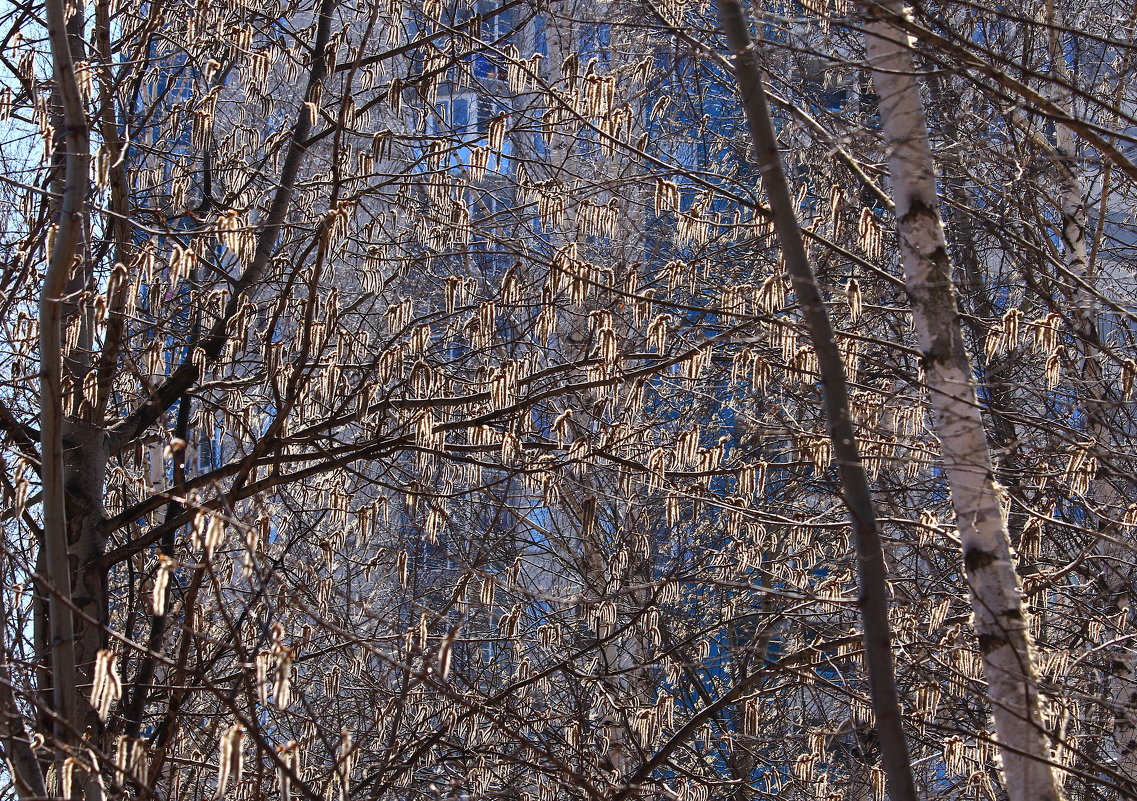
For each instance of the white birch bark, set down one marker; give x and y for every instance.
(999, 612)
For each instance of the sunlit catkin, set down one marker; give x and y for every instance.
(107, 686)
(495, 137)
(288, 756)
(230, 762)
(214, 532)
(836, 203)
(161, 583)
(657, 333)
(803, 768)
(67, 775)
(879, 784)
(869, 235)
(1128, 376)
(1053, 370)
(1081, 467)
(993, 341)
(282, 676)
(130, 754)
(264, 667)
(1012, 328)
(345, 762)
(953, 751)
(666, 196)
(1046, 333)
(853, 296)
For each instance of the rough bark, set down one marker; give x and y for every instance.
(854, 479)
(999, 612)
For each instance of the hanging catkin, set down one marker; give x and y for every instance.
(230, 762)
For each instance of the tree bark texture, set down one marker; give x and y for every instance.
(998, 609)
(74, 140)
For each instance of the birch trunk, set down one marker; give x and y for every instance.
(998, 609)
